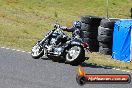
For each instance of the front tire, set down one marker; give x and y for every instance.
(75, 55)
(37, 51)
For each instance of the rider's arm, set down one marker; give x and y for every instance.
(68, 29)
(71, 29)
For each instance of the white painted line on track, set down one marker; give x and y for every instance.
(128, 71)
(13, 49)
(23, 51)
(29, 52)
(7, 48)
(122, 70)
(18, 50)
(117, 69)
(2, 47)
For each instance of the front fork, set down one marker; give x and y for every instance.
(42, 44)
(45, 38)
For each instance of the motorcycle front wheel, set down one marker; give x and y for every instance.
(37, 51)
(75, 55)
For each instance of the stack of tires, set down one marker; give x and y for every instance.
(105, 36)
(89, 31)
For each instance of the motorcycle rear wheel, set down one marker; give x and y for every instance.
(75, 55)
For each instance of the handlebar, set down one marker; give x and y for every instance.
(56, 26)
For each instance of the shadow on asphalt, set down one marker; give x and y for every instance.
(59, 61)
(94, 66)
(45, 58)
(84, 64)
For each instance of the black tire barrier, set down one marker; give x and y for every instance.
(108, 23)
(105, 45)
(105, 51)
(89, 40)
(105, 31)
(93, 44)
(88, 27)
(84, 27)
(92, 20)
(105, 38)
(92, 35)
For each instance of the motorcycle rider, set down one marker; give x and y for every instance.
(75, 29)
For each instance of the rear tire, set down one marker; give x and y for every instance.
(75, 55)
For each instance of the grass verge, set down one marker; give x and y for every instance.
(106, 60)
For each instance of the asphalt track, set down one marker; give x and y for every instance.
(19, 70)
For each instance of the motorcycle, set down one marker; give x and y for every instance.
(56, 45)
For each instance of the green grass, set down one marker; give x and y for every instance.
(23, 22)
(106, 60)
